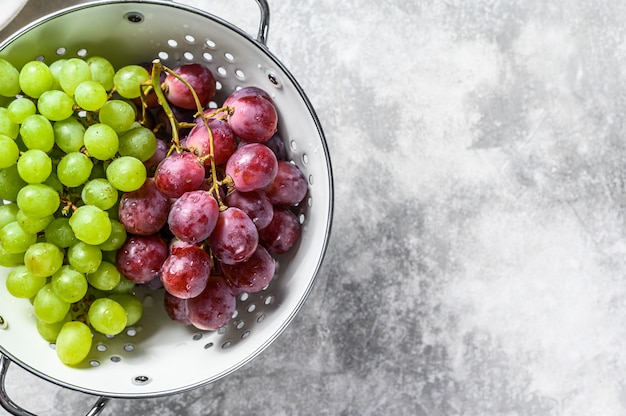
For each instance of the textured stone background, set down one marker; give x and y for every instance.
(477, 261)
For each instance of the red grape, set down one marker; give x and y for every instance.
(214, 307)
(159, 154)
(254, 119)
(282, 233)
(182, 115)
(255, 204)
(140, 258)
(234, 238)
(179, 173)
(176, 308)
(247, 92)
(185, 271)
(224, 140)
(144, 211)
(251, 167)
(193, 216)
(201, 80)
(253, 274)
(289, 187)
(277, 145)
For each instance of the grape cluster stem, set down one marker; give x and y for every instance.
(155, 85)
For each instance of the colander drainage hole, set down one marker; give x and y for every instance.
(141, 380)
(134, 17)
(3, 323)
(273, 78)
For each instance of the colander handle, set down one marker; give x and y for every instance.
(264, 23)
(10, 406)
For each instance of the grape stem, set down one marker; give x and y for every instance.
(68, 206)
(155, 84)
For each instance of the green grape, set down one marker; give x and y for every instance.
(33, 224)
(59, 232)
(21, 283)
(90, 95)
(5, 101)
(68, 134)
(9, 152)
(125, 285)
(107, 316)
(106, 278)
(126, 173)
(74, 169)
(55, 105)
(102, 71)
(114, 211)
(8, 213)
(54, 182)
(69, 284)
(48, 307)
(98, 171)
(99, 192)
(9, 79)
(43, 259)
(10, 183)
(37, 133)
(109, 256)
(38, 200)
(55, 68)
(35, 78)
(101, 141)
(73, 343)
(7, 126)
(34, 166)
(91, 224)
(50, 332)
(117, 237)
(21, 108)
(132, 306)
(15, 239)
(10, 259)
(117, 114)
(84, 257)
(74, 71)
(139, 142)
(128, 79)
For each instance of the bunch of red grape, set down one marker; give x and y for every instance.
(218, 202)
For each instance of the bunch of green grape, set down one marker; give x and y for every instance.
(70, 145)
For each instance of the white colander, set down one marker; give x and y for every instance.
(158, 357)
